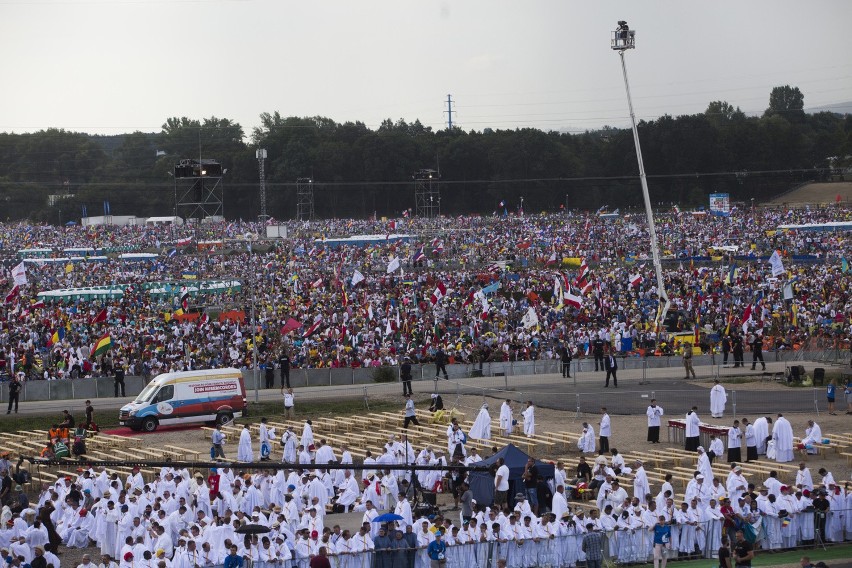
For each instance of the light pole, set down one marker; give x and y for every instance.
(623, 38)
(255, 368)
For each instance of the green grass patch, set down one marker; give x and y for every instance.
(840, 552)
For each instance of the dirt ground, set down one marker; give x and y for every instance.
(629, 433)
(818, 193)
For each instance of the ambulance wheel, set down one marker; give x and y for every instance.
(224, 418)
(149, 424)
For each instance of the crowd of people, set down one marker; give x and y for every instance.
(480, 288)
(195, 519)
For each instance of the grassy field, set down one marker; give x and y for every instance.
(109, 420)
(842, 552)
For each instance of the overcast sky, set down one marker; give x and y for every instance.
(112, 66)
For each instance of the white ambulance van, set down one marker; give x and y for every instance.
(213, 395)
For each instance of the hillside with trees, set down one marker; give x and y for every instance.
(359, 170)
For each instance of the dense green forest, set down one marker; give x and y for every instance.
(359, 171)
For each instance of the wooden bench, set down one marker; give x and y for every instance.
(181, 452)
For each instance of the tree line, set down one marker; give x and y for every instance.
(359, 171)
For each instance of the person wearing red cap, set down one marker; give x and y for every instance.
(79, 532)
(126, 560)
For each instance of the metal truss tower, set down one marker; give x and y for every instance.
(199, 191)
(304, 199)
(427, 196)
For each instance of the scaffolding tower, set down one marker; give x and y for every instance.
(304, 199)
(427, 195)
(199, 191)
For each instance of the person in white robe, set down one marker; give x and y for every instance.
(307, 435)
(348, 491)
(691, 431)
(289, 441)
(481, 429)
(813, 438)
(324, 454)
(78, 537)
(529, 420)
(506, 419)
(403, 509)
(108, 538)
(718, 399)
(782, 435)
(761, 433)
(244, 451)
(586, 443)
(267, 434)
(641, 487)
(559, 503)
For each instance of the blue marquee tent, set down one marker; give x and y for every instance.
(482, 482)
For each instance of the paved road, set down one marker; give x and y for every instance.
(549, 391)
(666, 385)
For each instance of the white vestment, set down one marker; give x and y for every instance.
(307, 436)
(782, 433)
(587, 441)
(813, 435)
(244, 451)
(718, 398)
(506, 418)
(529, 421)
(761, 432)
(481, 429)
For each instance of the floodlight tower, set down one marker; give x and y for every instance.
(623, 38)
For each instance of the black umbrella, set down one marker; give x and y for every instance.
(253, 529)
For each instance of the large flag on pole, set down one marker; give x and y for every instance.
(311, 330)
(776, 264)
(102, 316)
(393, 265)
(19, 274)
(357, 277)
(530, 318)
(13, 293)
(103, 345)
(440, 292)
(289, 326)
(571, 299)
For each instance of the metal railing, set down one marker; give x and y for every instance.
(560, 545)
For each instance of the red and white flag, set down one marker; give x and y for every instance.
(19, 274)
(486, 307)
(313, 329)
(440, 292)
(469, 300)
(635, 279)
(572, 300)
(13, 294)
(551, 259)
